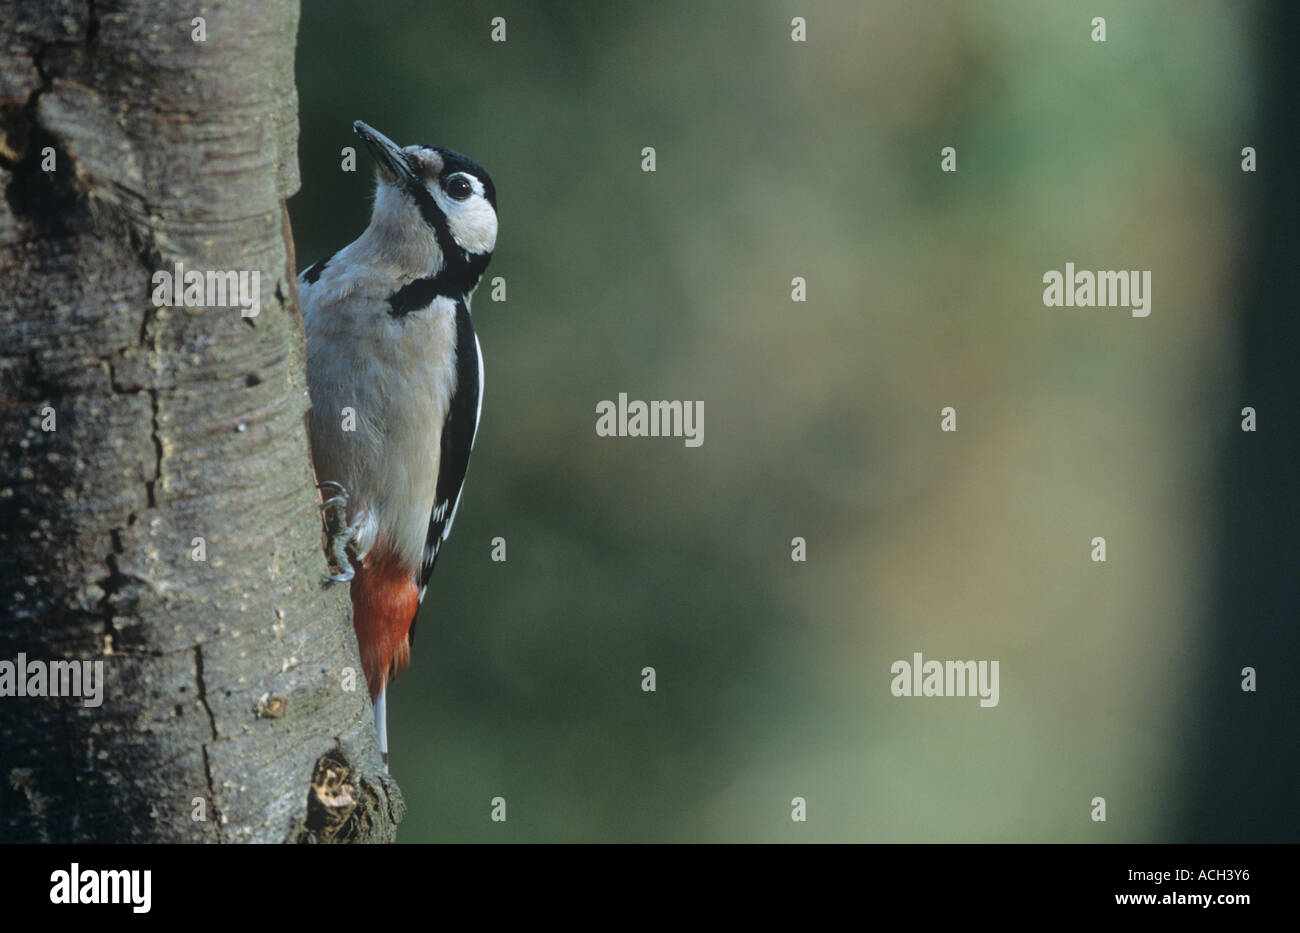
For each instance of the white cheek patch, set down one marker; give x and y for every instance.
(473, 223)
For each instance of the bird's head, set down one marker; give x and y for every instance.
(435, 210)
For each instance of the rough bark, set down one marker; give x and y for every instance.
(224, 678)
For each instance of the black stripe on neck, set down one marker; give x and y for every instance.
(434, 217)
(453, 253)
(453, 281)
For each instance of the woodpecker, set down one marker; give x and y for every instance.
(395, 375)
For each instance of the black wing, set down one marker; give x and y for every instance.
(458, 433)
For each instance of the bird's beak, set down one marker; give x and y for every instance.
(390, 157)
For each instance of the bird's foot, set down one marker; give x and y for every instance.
(338, 533)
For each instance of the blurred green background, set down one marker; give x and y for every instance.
(821, 159)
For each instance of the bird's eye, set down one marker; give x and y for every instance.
(458, 187)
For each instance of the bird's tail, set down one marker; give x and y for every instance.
(385, 598)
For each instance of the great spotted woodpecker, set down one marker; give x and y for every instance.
(395, 374)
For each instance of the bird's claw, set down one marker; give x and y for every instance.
(338, 534)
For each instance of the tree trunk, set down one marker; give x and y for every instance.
(157, 510)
